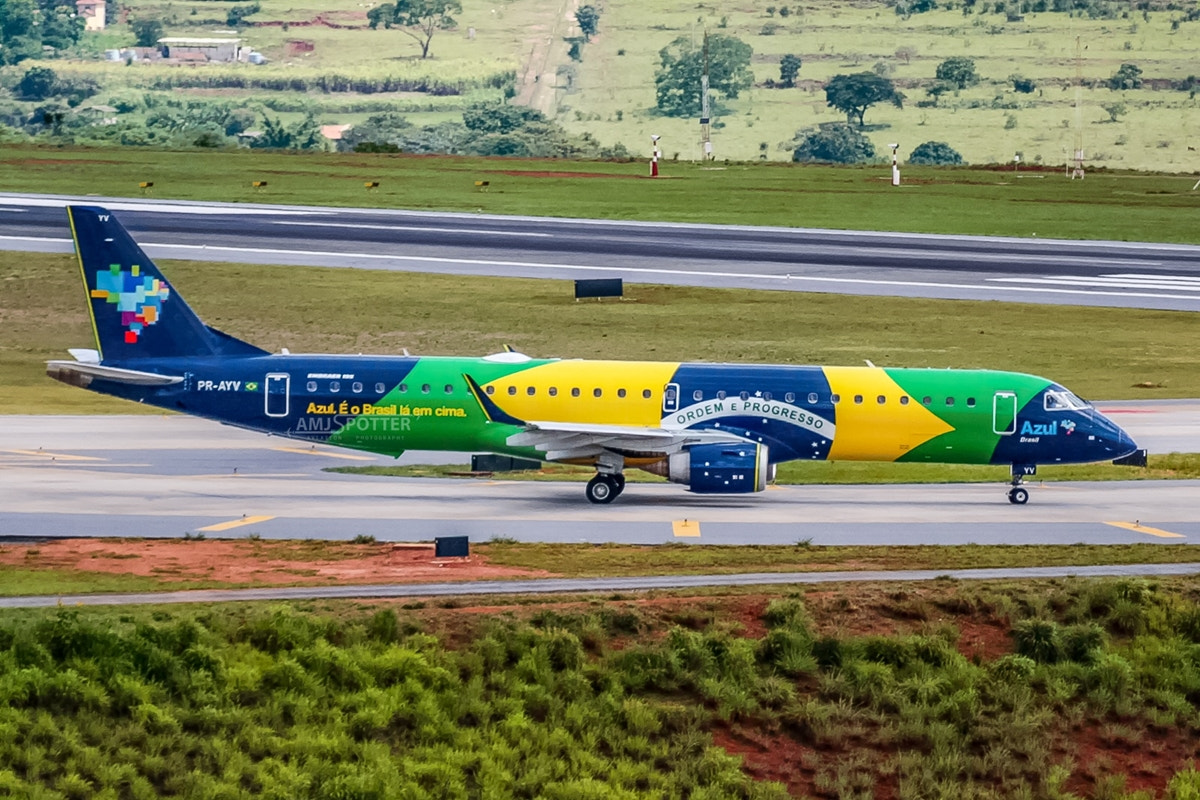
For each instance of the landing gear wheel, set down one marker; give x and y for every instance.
(619, 480)
(1018, 496)
(603, 489)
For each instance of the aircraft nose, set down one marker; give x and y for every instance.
(1125, 443)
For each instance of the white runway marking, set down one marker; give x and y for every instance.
(172, 208)
(400, 228)
(1181, 283)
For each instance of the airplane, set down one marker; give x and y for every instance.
(715, 428)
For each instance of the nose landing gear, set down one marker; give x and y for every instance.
(1019, 495)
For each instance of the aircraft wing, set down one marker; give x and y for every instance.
(567, 440)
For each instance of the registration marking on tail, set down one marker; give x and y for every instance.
(688, 528)
(1136, 528)
(233, 523)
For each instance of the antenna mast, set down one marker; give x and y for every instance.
(705, 112)
(1078, 171)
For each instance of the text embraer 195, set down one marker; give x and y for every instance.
(716, 428)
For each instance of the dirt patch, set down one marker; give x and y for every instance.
(1146, 756)
(771, 757)
(258, 562)
(983, 640)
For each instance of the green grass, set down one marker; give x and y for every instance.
(1044, 689)
(1176, 466)
(322, 310)
(612, 560)
(18, 581)
(1136, 207)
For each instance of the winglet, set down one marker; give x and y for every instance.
(490, 410)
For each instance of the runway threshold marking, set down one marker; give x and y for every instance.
(234, 523)
(327, 454)
(1136, 528)
(686, 528)
(55, 456)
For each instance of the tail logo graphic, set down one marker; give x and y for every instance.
(139, 298)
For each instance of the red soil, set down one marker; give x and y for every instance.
(260, 562)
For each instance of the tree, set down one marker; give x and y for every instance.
(1115, 110)
(485, 118)
(677, 82)
(834, 143)
(384, 13)
(1129, 76)
(237, 14)
(854, 94)
(421, 19)
(60, 25)
(936, 154)
(959, 71)
(147, 31)
(1022, 85)
(588, 18)
(789, 68)
(20, 38)
(38, 83)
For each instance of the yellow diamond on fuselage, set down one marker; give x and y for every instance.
(597, 392)
(871, 429)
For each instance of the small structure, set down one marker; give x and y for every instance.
(183, 48)
(334, 133)
(92, 12)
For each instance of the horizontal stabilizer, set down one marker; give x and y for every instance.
(79, 373)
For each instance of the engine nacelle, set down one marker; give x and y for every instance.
(733, 468)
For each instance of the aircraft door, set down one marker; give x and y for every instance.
(671, 398)
(278, 384)
(1004, 413)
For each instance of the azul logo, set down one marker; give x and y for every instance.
(139, 298)
(1040, 429)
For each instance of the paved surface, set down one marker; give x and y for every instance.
(586, 585)
(164, 476)
(1119, 274)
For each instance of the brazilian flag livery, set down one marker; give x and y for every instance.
(712, 427)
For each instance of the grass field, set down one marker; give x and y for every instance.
(831, 38)
(320, 310)
(1056, 689)
(1137, 207)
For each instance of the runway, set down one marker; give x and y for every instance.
(167, 476)
(586, 585)
(1099, 273)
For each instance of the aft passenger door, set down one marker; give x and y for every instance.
(1004, 413)
(276, 394)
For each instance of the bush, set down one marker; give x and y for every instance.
(1039, 640)
(38, 83)
(935, 154)
(834, 143)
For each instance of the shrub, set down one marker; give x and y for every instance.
(834, 143)
(1039, 640)
(935, 154)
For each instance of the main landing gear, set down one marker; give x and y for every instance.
(605, 488)
(1018, 495)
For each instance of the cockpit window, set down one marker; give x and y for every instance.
(1062, 400)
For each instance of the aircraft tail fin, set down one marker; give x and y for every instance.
(135, 312)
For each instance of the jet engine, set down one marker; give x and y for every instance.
(734, 468)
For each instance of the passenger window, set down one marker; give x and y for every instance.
(490, 389)
(881, 399)
(767, 396)
(721, 395)
(858, 399)
(553, 391)
(424, 388)
(531, 391)
(449, 388)
(356, 387)
(812, 398)
(620, 392)
(926, 399)
(575, 392)
(646, 393)
(403, 388)
(597, 392)
(380, 388)
(744, 395)
(311, 386)
(970, 402)
(512, 390)
(335, 386)
(949, 401)
(698, 395)
(903, 399)
(835, 398)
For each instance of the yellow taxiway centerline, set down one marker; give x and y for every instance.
(304, 452)
(53, 456)
(233, 523)
(686, 527)
(1136, 528)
